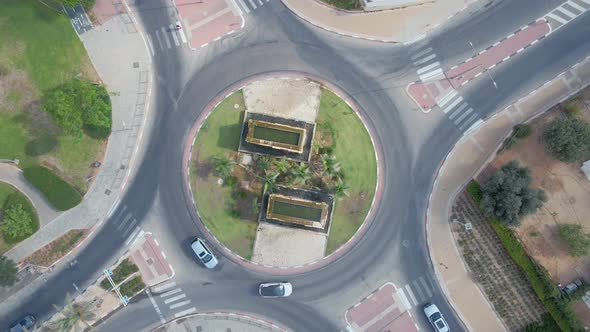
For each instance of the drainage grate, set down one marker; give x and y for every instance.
(107, 192)
(136, 65)
(150, 261)
(199, 328)
(122, 167)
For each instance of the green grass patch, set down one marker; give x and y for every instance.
(43, 42)
(75, 156)
(537, 276)
(220, 135)
(57, 191)
(122, 271)
(132, 286)
(352, 146)
(14, 139)
(56, 249)
(344, 4)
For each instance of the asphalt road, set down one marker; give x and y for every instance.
(413, 146)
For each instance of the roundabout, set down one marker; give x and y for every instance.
(230, 182)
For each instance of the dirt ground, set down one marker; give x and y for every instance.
(280, 246)
(293, 99)
(568, 193)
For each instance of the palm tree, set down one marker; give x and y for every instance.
(282, 164)
(301, 174)
(223, 166)
(331, 166)
(74, 314)
(340, 189)
(270, 180)
(263, 163)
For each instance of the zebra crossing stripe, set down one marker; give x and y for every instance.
(428, 68)
(175, 298)
(586, 1)
(418, 290)
(567, 12)
(556, 18)
(411, 294)
(180, 304)
(421, 53)
(166, 37)
(444, 100)
(173, 33)
(471, 118)
(430, 75)
(426, 59)
(458, 111)
(185, 312)
(243, 5)
(164, 287)
(576, 6)
(150, 45)
(260, 3)
(425, 285)
(402, 297)
(459, 119)
(253, 4)
(172, 292)
(453, 104)
(132, 236)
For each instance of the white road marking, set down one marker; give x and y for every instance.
(444, 100)
(182, 36)
(458, 111)
(132, 236)
(185, 312)
(428, 68)
(243, 5)
(557, 18)
(150, 45)
(453, 104)
(475, 124)
(463, 116)
(159, 39)
(253, 4)
(412, 297)
(155, 305)
(180, 304)
(471, 119)
(418, 290)
(172, 292)
(426, 59)
(173, 33)
(576, 6)
(421, 53)
(402, 297)
(567, 12)
(163, 287)
(137, 238)
(165, 35)
(175, 298)
(125, 220)
(260, 3)
(130, 227)
(430, 75)
(586, 1)
(425, 285)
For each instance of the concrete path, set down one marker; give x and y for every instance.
(14, 176)
(119, 55)
(397, 25)
(463, 163)
(219, 321)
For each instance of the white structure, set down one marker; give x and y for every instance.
(389, 4)
(586, 169)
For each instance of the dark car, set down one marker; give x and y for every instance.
(26, 322)
(275, 289)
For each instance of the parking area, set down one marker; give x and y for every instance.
(382, 310)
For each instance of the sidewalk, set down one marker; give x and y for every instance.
(396, 25)
(213, 321)
(12, 175)
(465, 160)
(119, 56)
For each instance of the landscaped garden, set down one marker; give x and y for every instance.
(228, 189)
(18, 218)
(345, 4)
(52, 113)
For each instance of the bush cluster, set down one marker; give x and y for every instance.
(78, 106)
(20, 218)
(568, 139)
(132, 286)
(125, 269)
(519, 132)
(57, 191)
(546, 290)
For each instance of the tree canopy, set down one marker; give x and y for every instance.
(507, 195)
(577, 241)
(8, 272)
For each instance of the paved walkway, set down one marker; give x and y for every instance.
(119, 55)
(219, 321)
(397, 25)
(465, 160)
(14, 176)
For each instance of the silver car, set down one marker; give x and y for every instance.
(205, 255)
(435, 318)
(275, 289)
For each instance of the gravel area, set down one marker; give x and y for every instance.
(280, 246)
(292, 99)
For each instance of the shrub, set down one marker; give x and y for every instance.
(78, 105)
(132, 286)
(507, 194)
(568, 139)
(8, 272)
(572, 109)
(122, 271)
(519, 131)
(17, 224)
(574, 237)
(57, 191)
(24, 207)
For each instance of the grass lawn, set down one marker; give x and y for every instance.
(354, 150)
(344, 4)
(8, 192)
(236, 233)
(39, 50)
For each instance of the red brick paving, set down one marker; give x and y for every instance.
(149, 250)
(419, 92)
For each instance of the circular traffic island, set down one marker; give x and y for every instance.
(283, 172)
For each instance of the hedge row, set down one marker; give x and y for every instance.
(132, 286)
(125, 269)
(537, 276)
(17, 198)
(57, 191)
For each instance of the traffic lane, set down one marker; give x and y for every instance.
(485, 27)
(138, 315)
(531, 68)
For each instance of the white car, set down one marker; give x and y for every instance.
(275, 289)
(435, 318)
(204, 254)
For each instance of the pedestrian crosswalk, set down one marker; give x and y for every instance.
(567, 12)
(428, 68)
(415, 293)
(127, 226)
(458, 110)
(248, 5)
(172, 297)
(165, 38)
